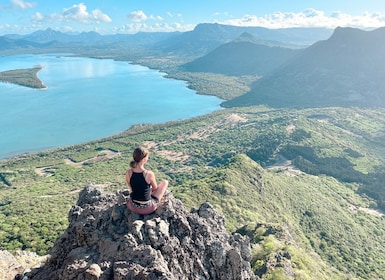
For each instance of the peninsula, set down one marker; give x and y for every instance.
(23, 77)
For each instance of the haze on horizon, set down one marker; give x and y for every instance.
(111, 17)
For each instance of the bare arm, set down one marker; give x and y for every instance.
(128, 176)
(152, 181)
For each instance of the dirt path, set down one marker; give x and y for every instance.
(374, 212)
(201, 133)
(102, 156)
(284, 165)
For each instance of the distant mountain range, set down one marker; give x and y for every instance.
(13, 44)
(348, 69)
(205, 37)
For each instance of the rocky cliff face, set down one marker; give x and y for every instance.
(105, 240)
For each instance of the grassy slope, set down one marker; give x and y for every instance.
(218, 158)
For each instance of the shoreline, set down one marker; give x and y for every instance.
(30, 152)
(44, 87)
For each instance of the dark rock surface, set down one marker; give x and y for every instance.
(104, 240)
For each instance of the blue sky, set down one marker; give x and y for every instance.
(131, 16)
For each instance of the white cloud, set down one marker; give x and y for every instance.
(76, 13)
(37, 17)
(157, 18)
(171, 15)
(157, 27)
(137, 16)
(22, 4)
(98, 16)
(310, 18)
(140, 16)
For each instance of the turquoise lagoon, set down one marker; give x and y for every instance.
(87, 99)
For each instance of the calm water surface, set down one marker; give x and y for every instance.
(87, 99)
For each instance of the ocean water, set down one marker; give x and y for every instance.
(87, 99)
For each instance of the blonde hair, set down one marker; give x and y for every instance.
(138, 154)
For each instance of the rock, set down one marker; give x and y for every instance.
(9, 266)
(104, 240)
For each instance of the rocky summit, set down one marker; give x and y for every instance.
(104, 240)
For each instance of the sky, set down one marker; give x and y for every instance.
(132, 16)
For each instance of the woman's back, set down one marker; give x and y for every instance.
(141, 190)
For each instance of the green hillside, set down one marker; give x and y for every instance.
(347, 70)
(305, 185)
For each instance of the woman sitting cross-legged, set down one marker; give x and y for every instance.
(145, 193)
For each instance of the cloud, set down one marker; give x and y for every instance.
(137, 16)
(76, 13)
(98, 15)
(140, 16)
(37, 17)
(310, 18)
(156, 18)
(22, 4)
(157, 27)
(171, 15)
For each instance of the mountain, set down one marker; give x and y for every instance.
(246, 55)
(201, 40)
(68, 41)
(7, 43)
(106, 241)
(207, 36)
(348, 69)
(47, 35)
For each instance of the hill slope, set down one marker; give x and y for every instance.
(244, 56)
(348, 69)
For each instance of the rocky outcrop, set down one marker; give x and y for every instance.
(105, 240)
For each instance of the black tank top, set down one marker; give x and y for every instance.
(141, 190)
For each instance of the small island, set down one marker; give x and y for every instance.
(23, 77)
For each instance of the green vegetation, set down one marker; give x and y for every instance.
(214, 84)
(322, 213)
(23, 77)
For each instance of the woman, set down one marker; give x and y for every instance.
(145, 193)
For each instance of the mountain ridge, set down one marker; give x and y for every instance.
(333, 72)
(205, 37)
(246, 55)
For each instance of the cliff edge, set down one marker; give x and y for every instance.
(104, 240)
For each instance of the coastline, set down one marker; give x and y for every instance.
(23, 152)
(44, 87)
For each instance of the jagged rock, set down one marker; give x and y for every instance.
(105, 240)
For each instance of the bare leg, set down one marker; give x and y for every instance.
(162, 187)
